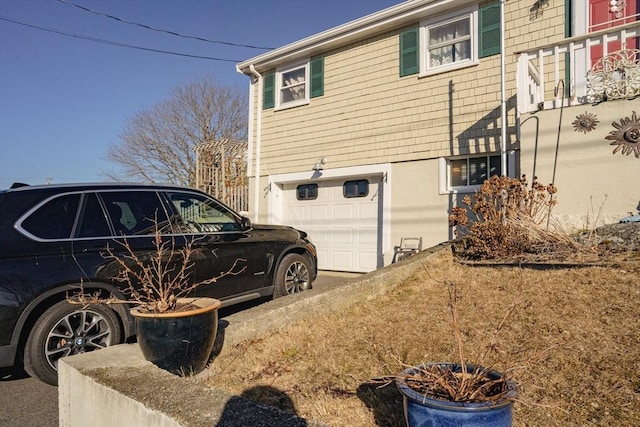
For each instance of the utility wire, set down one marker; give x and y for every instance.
(109, 42)
(161, 30)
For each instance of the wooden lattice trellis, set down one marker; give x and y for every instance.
(221, 170)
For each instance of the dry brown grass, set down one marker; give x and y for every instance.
(574, 339)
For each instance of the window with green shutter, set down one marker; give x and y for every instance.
(294, 84)
(450, 41)
(489, 22)
(268, 91)
(409, 51)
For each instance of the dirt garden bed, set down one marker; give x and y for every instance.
(572, 343)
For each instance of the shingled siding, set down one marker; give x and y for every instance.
(369, 114)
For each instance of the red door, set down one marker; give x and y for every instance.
(605, 14)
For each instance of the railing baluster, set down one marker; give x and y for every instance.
(579, 63)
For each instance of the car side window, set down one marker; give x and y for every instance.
(134, 212)
(201, 214)
(53, 220)
(92, 222)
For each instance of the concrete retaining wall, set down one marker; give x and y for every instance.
(118, 387)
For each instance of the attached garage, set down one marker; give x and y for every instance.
(344, 217)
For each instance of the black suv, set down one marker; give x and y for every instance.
(53, 239)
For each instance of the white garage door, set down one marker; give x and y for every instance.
(342, 218)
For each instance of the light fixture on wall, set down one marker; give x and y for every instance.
(536, 10)
(319, 164)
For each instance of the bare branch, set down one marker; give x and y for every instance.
(153, 281)
(157, 144)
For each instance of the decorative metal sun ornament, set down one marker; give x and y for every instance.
(585, 122)
(626, 136)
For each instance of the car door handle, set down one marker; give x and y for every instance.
(204, 241)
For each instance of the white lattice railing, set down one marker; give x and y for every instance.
(541, 70)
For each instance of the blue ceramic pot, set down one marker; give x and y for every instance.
(179, 342)
(423, 411)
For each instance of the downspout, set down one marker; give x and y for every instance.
(503, 96)
(258, 137)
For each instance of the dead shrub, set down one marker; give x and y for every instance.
(508, 218)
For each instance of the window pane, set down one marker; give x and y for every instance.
(462, 51)
(93, 222)
(495, 166)
(293, 77)
(357, 188)
(293, 85)
(461, 28)
(134, 212)
(477, 170)
(307, 192)
(458, 172)
(449, 43)
(441, 56)
(200, 214)
(440, 35)
(54, 220)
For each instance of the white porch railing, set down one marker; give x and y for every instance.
(541, 70)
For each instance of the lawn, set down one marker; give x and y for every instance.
(572, 343)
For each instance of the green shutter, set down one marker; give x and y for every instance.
(489, 17)
(268, 91)
(317, 76)
(409, 51)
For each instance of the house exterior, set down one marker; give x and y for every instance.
(372, 131)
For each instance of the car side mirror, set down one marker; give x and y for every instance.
(245, 223)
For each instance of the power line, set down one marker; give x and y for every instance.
(113, 43)
(161, 30)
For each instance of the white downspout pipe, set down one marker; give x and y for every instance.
(258, 138)
(503, 96)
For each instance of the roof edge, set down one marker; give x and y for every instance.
(377, 22)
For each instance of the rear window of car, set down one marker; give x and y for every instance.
(93, 222)
(54, 219)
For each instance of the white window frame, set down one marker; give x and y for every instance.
(472, 15)
(444, 172)
(280, 104)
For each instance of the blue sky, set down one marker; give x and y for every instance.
(64, 100)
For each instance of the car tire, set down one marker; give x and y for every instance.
(293, 275)
(66, 329)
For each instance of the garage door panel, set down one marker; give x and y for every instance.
(298, 214)
(343, 212)
(318, 235)
(368, 211)
(319, 212)
(342, 259)
(368, 237)
(365, 259)
(342, 235)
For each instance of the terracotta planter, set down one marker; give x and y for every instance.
(179, 342)
(423, 411)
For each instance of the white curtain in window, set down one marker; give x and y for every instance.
(293, 85)
(449, 43)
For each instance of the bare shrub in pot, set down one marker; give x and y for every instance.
(175, 331)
